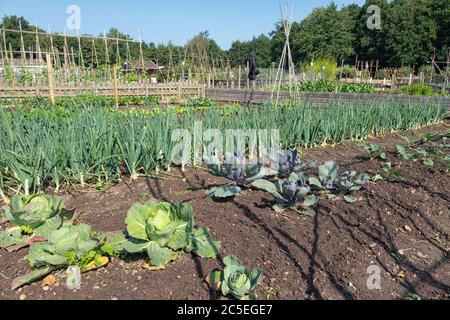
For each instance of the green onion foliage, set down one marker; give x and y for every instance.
(95, 146)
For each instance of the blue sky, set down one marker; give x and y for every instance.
(165, 20)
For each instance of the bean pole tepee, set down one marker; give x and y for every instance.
(286, 58)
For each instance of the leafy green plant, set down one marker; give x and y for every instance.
(162, 230)
(417, 89)
(199, 102)
(239, 172)
(338, 186)
(68, 246)
(289, 162)
(386, 173)
(374, 150)
(25, 77)
(300, 193)
(329, 87)
(9, 73)
(416, 297)
(34, 219)
(426, 159)
(401, 150)
(235, 279)
(324, 69)
(90, 100)
(356, 88)
(173, 101)
(292, 194)
(89, 146)
(348, 71)
(428, 147)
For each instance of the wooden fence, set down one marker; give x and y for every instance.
(258, 97)
(165, 91)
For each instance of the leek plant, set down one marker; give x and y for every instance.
(91, 146)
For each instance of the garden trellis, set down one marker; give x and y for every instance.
(75, 54)
(70, 44)
(286, 57)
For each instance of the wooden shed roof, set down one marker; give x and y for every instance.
(148, 65)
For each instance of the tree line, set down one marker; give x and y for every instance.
(411, 32)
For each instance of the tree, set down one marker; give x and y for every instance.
(259, 46)
(261, 49)
(13, 38)
(371, 43)
(325, 33)
(440, 12)
(238, 53)
(410, 33)
(202, 43)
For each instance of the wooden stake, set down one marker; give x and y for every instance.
(80, 53)
(3, 55)
(22, 44)
(51, 44)
(106, 49)
(116, 87)
(66, 51)
(4, 43)
(248, 80)
(240, 78)
(342, 70)
(376, 69)
(11, 64)
(38, 47)
(117, 49)
(141, 53)
(50, 78)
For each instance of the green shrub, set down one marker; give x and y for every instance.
(324, 69)
(331, 86)
(348, 71)
(417, 89)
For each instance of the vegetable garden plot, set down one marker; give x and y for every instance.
(401, 226)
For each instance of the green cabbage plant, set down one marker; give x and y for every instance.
(162, 230)
(68, 246)
(374, 150)
(33, 218)
(235, 279)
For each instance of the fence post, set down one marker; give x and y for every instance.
(116, 89)
(248, 80)
(50, 78)
(239, 85)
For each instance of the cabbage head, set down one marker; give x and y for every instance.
(235, 279)
(68, 246)
(33, 218)
(162, 230)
